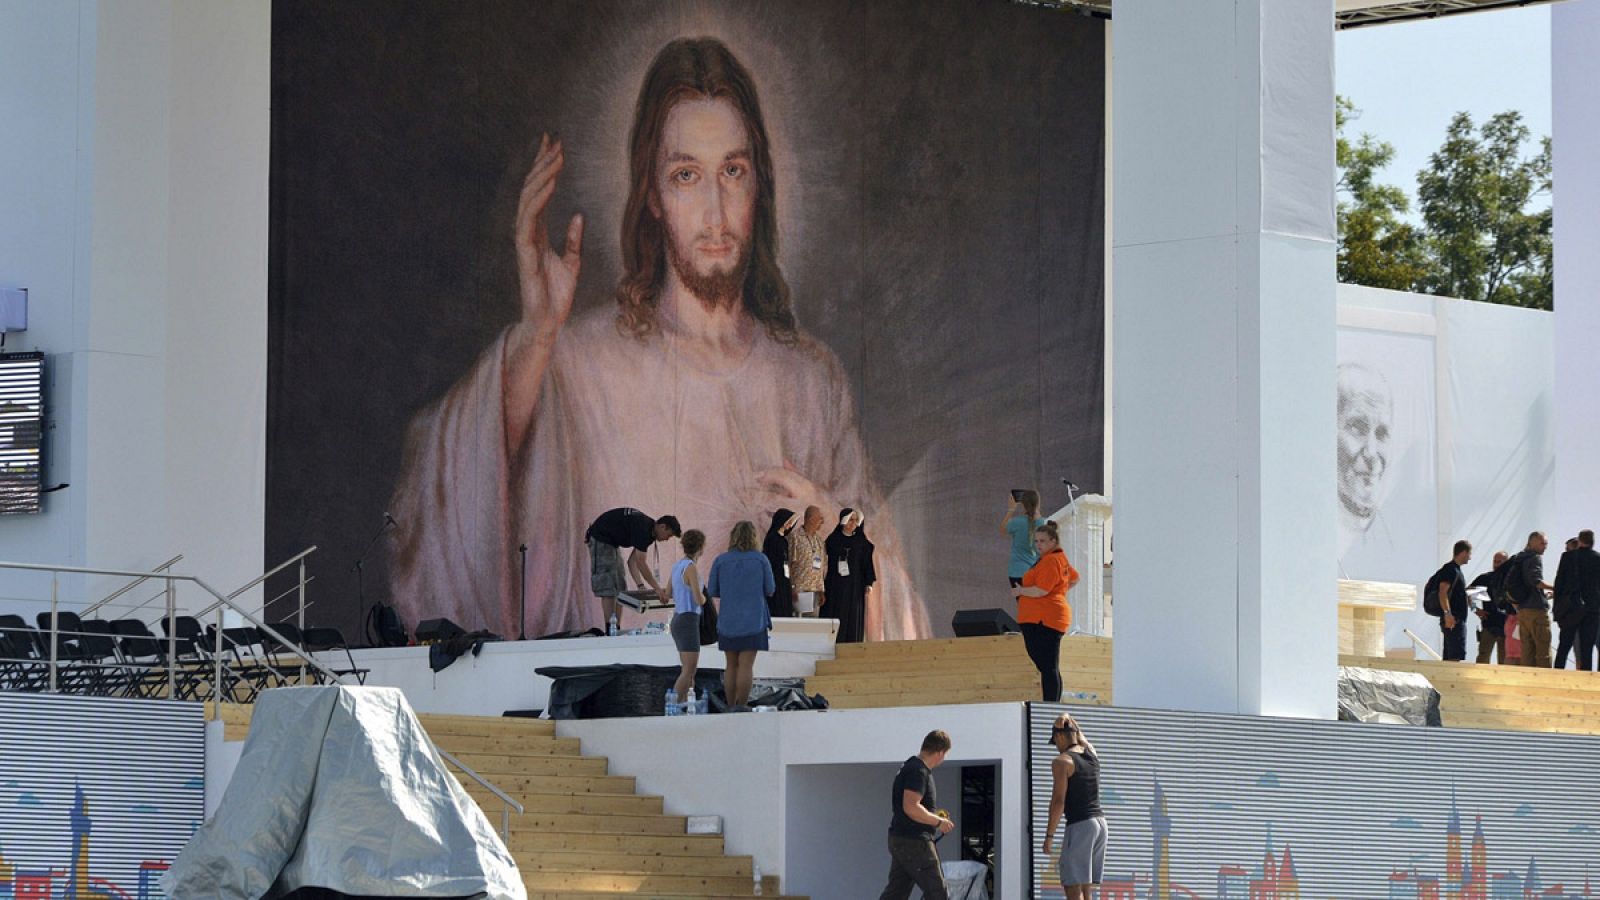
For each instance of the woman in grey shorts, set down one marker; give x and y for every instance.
(1076, 795)
(686, 602)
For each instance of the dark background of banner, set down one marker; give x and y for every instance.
(941, 169)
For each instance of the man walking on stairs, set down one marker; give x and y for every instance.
(912, 859)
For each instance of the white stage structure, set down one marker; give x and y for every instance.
(1223, 356)
(1575, 65)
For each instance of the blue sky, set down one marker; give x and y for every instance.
(1409, 79)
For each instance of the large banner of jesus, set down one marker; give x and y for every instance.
(533, 261)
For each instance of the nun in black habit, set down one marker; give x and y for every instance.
(850, 573)
(776, 548)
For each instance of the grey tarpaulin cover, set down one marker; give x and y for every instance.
(340, 788)
(1379, 695)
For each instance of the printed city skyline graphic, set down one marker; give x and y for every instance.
(70, 873)
(1469, 871)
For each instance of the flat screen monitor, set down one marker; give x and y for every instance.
(21, 432)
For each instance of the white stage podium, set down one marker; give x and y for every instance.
(1083, 536)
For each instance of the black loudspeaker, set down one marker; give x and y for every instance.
(430, 630)
(983, 623)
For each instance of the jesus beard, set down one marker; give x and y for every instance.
(717, 289)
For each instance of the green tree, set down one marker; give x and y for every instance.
(1474, 196)
(1377, 246)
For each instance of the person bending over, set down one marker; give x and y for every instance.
(624, 527)
(1042, 608)
(1492, 617)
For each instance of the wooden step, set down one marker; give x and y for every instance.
(583, 861)
(653, 884)
(559, 784)
(502, 764)
(586, 804)
(945, 698)
(911, 664)
(524, 745)
(626, 825)
(438, 725)
(969, 646)
(574, 840)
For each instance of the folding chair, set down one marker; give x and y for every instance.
(289, 661)
(20, 669)
(104, 672)
(71, 677)
(326, 638)
(145, 657)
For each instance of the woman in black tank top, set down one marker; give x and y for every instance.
(1075, 797)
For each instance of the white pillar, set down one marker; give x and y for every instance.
(1083, 536)
(1223, 365)
(1575, 71)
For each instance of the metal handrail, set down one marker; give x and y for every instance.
(257, 580)
(1419, 642)
(169, 579)
(510, 804)
(129, 586)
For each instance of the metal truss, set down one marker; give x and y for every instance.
(1364, 12)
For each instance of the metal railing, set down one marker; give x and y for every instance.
(510, 804)
(170, 581)
(224, 679)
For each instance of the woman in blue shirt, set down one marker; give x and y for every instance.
(1022, 519)
(741, 581)
(686, 603)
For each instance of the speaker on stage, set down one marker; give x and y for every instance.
(430, 630)
(983, 623)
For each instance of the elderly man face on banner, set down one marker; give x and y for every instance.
(1366, 417)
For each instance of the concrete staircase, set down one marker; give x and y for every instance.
(1512, 698)
(958, 670)
(586, 833)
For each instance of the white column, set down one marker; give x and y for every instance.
(1575, 71)
(1223, 364)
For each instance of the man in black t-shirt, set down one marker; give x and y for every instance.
(1492, 617)
(914, 824)
(617, 528)
(1450, 586)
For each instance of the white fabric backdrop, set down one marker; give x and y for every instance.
(1492, 434)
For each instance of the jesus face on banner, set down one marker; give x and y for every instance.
(695, 395)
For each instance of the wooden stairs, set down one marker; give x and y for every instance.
(958, 670)
(586, 833)
(1509, 698)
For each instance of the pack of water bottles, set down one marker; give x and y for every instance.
(691, 705)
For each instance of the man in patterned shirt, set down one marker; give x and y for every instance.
(808, 563)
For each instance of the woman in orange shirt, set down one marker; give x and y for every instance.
(1042, 608)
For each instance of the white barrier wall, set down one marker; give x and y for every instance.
(1238, 807)
(1470, 452)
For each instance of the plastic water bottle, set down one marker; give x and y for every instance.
(704, 706)
(757, 870)
(611, 627)
(690, 706)
(672, 701)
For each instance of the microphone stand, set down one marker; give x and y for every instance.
(522, 613)
(361, 590)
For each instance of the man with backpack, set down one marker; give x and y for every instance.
(1445, 596)
(1492, 617)
(1526, 585)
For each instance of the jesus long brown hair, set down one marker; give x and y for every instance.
(696, 68)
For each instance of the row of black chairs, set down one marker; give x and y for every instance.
(123, 658)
